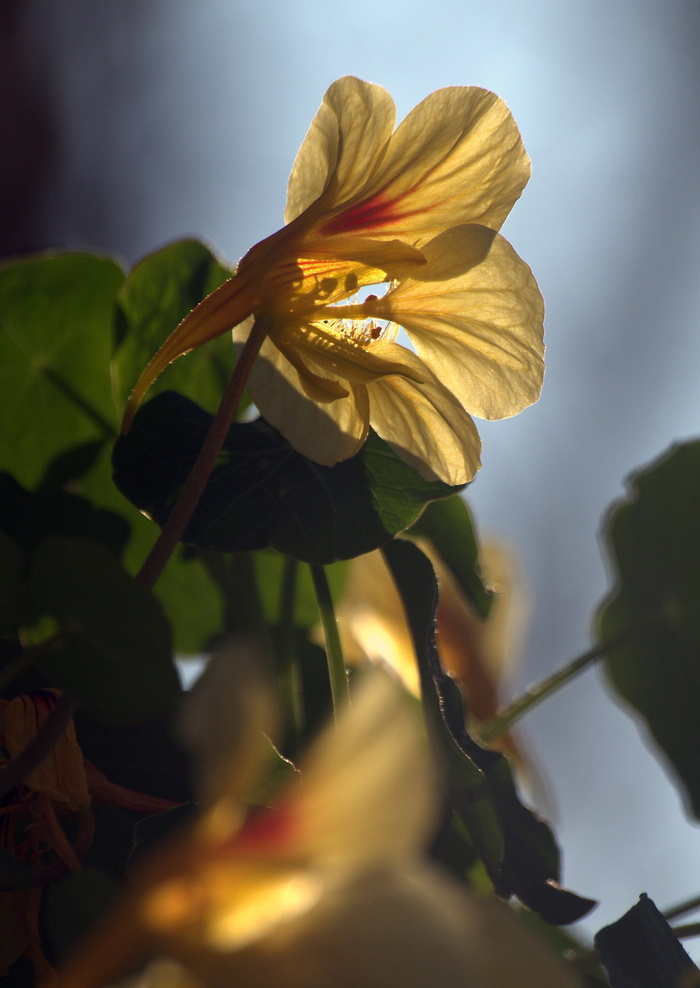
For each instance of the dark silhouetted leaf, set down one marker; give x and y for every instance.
(640, 950)
(654, 540)
(11, 563)
(517, 847)
(28, 518)
(448, 524)
(116, 657)
(263, 493)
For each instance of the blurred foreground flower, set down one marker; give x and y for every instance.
(477, 652)
(415, 210)
(36, 817)
(328, 889)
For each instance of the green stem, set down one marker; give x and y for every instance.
(193, 489)
(78, 400)
(289, 678)
(686, 931)
(687, 906)
(336, 664)
(495, 727)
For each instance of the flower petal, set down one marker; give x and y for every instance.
(367, 794)
(480, 332)
(327, 434)
(344, 144)
(424, 424)
(338, 353)
(456, 158)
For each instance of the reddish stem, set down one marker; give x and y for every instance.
(188, 500)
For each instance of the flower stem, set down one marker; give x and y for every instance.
(687, 931)
(687, 906)
(186, 503)
(493, 728)
(336, 663)
(289, 679)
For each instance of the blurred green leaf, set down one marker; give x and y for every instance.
(116, 657)
(269, 571)
(654, 541)
(448, 525)
(159, 291)
(56, 334)
(263, 493)
(518, 848)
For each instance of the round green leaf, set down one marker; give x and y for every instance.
(159, 291)
(262, 493)
(654, 542)
(56, 330)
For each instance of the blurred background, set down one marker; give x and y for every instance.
(128, 123)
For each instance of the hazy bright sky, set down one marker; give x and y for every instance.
(184, 118)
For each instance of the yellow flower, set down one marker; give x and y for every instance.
(414, 211)
(329, 887)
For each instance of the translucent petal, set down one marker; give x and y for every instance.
(344, 143)
(339, 354)
(481, 331)
(456, 158)
(425, 425)
(326, 434)
(368, 792)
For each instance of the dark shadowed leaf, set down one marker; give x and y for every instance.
(654, 541)
(263, 493)
(29, 517)
(640, 950)
(448, 524)
(116, 656)
(517, 847)
(11, 563)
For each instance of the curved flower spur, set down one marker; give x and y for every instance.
(413, 212)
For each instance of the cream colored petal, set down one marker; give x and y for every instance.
(162, 974)
(325, 433)
(481, 332)
(456, 158)
(344, 144)
(412, 928)
(367, 793)
(341, 355)
(425, 425)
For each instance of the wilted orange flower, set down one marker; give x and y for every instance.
(34, 844)
(415, 212)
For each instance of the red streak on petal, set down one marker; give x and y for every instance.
(268, 831)
(367, 215)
